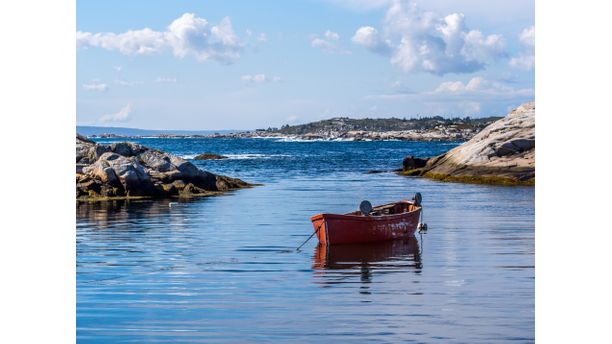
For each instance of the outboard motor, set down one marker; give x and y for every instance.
(365, 207)
(418, 199)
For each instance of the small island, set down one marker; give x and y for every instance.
(435, 128)
(126, 170)
(502, 153)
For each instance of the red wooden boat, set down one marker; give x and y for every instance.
(384, 222)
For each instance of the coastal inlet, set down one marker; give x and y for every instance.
(225, 269)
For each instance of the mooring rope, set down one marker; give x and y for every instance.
(310, 237)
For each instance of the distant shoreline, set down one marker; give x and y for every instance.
(334, 129)
(349, 137)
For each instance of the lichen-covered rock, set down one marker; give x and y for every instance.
(125, 169)
(502, 153)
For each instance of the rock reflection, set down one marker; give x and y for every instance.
(343, 263)
(121, 213)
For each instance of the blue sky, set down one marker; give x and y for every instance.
(245, 64)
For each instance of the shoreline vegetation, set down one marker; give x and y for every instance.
(503, 153)
(126, 171)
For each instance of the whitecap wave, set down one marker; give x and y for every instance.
(243, 156)
(254, 156)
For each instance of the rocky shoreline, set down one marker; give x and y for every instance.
(436, 134)
(502, 153)
(125, 170)
(364, 129)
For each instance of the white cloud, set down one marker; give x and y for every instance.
(526, 59)
(162, 80)
(328, 42)
(372, 40)
(259, 78)
(458, 86)
(474, 96)
(94, 86)
(415, 40)
(127, 83)
(480, 87)
(186, 35)
(474, 90)
(527, 36)
(119, 116)
(523, 61)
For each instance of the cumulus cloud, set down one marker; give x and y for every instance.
(474, 85)
(258, 78)
(458, 86)
(474, 96)
(370, 38)
(329, 42)
(186, 35)
(527, 36)
(96, 87)
(475, 89)
(416, 40)
(526, 59)
(120, 116)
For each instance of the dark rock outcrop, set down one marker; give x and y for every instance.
(124, 169)
(502, 153)
(410, 162)
(209, 156)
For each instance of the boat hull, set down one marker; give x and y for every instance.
(335, 229)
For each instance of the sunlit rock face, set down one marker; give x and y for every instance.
(125, 169)
(502, 152)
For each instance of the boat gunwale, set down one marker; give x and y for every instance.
(351, 216)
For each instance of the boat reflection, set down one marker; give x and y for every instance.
(343, 263)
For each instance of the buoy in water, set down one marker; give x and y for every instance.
(422, 227)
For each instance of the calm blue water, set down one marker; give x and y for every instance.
(224, 269)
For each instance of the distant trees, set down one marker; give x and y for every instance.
(344, 124)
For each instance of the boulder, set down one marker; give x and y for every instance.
(85, 150)
(156, 160)
(411, 163)
(224, 183)
(502, 153)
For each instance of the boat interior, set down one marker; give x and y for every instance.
(388, 209)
